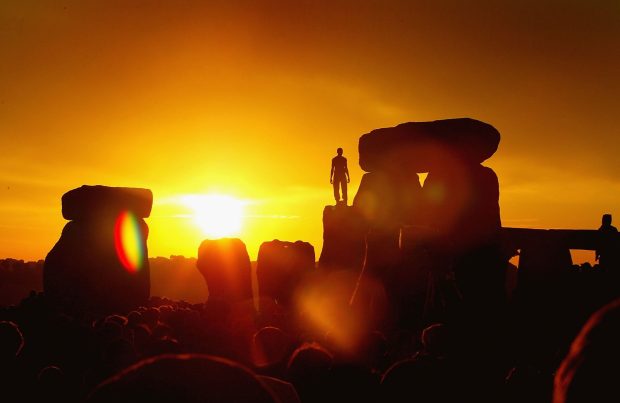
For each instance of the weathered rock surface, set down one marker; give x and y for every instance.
(344, 238)
(421, 146)
(280, 268)
(97, 201)
(225, 265)
(385, 199)
(463, 205)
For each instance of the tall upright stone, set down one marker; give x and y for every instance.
(344, 238)
(225, 265)
(281, 267)
(100, 262)
(462, 204)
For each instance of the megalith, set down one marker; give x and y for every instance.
(100, 262)
(225, 265)
(281, 267)
(453, 219)
(344, 238)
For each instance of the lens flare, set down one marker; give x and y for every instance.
(128, 241)
(325, 304)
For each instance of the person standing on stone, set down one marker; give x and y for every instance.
(339, 176)
(606, 254)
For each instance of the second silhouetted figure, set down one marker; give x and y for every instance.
(607, 252)
(339, 176)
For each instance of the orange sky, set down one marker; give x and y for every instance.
(252, 98)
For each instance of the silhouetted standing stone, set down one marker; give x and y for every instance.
(280, 268)
(386, 199)
(462, 204)
(344, 232)
(100, 262)
(225, 265)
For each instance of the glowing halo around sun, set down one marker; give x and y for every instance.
(216, 215)
(128, 241)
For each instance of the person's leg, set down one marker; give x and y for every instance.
(336, 189)
(344, 190)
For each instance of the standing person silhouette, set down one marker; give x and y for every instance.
(607, 254)
(339, 176)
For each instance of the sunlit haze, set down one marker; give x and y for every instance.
(250, 99)
(216, 215)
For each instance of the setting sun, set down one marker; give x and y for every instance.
(216, 215)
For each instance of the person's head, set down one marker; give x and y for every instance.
(185, 378)
(270, 345)
(585, 374)
(339, 151)
(308, 369)
(134, 318)
(309, 361)
(52, 385)
(606, 219)
(11, 341)
(435, 339)
(417, 379)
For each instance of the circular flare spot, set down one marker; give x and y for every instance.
(128, 241)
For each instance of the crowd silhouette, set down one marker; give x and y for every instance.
(220, 351)
(321, 347)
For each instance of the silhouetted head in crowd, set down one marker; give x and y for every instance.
(119, 354)
(339, 151)
(436, 340)
(121, 320)
(52, 385)
(374, 349)
(422, 378)
(134, 318)
(308, 369)
(162, 331)
(11, 341)
(190, 378)
(309, 359)
(528, 384)
(606, 221)
(166, 345)
(590, 371)
(109, 331)
(142, 338)
(151, 316)
(352, 383)
(270, 346)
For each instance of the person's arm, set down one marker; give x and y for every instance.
(346, 171)
(331, 173)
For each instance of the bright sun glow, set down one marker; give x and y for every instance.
(216, 215)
